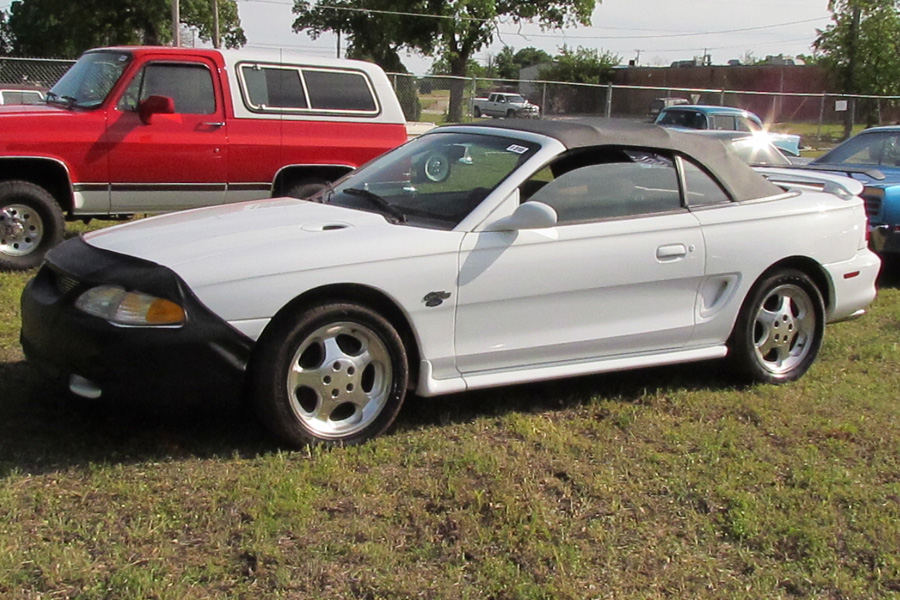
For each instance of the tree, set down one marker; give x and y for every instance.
(453, 30)
(65, 29)
(508, 63)
(583, 65)
(861, 48)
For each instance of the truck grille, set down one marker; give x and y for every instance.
(873, 207)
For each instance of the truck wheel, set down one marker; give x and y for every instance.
(305, 188)
(476, 112)
(510, 114)
(31, 222)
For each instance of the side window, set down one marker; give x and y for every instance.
(745, 124)
(189, 85)
(339, 90)
(700, 188)
(272, 87)
(606, 183)
(723, 122)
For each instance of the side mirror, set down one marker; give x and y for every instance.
(155, 105)
(528, 215)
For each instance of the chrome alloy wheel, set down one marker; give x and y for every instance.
(340, 379)
(21, 230)
(784, 328)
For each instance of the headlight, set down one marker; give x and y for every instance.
(129, 308)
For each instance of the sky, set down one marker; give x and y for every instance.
(653, 32)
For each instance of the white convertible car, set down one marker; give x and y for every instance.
(473, 256)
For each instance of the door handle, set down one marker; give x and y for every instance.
(214, 124)
(671, 252)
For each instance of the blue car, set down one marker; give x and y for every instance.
(725, 118)
(873, 157)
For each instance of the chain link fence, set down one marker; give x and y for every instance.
(821, 117)
(37, 72)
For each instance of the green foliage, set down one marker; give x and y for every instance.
(508, 63)
(455, 31)
(863, 59)
(65, 29)
(583, 65)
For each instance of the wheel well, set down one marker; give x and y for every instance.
(366, 296)
(812, 269)
(48, 174)
(288, 176)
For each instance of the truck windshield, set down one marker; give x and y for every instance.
(90, 80)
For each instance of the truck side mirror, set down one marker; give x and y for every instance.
(155, 105)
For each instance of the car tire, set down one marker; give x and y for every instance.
(335, 374)
(780, 328)
(510, 114)
(305, 188)
(476, 112)
(31, 223)
(436, 167)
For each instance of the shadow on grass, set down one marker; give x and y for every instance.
(43, 428)
(625, 386)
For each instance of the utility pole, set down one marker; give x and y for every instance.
(176, 23)
(852, 54)
(215, 14)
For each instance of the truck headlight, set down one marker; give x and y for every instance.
(129, 308)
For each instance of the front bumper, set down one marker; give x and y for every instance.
(202, 361)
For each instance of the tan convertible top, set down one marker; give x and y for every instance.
(741, 181)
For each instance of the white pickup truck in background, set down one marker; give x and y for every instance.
(502, 104)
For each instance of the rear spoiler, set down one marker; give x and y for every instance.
(839, 185)
(849, 171)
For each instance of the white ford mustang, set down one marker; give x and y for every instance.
(473, 256)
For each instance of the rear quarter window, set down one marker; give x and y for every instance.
(295, 89)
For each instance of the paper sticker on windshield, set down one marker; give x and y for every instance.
(517, 149)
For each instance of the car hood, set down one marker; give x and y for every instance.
(31, 110)
(213, 245)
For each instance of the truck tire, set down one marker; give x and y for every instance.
(305, 188)
(476, 112)
(31, 223)
(510, 114)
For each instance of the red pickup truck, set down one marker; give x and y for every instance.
(150, 129)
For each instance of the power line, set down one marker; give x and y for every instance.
(464, 18)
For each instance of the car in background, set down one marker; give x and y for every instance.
(504, 104)
(873, 157)
(657, 104)
(22, 94)
(522, 251)
(725, 118)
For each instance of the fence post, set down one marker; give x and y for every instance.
(544, 99)
(721, 97)
(609, 92)
(821, 118)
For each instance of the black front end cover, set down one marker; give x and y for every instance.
(203, 361)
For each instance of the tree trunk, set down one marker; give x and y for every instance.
(457, 89)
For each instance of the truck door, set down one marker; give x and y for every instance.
(178, 160)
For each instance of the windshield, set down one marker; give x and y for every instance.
(874, 149)
(90, 80)
(434, 181)
(757, 152)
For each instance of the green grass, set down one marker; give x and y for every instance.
(660, 483)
